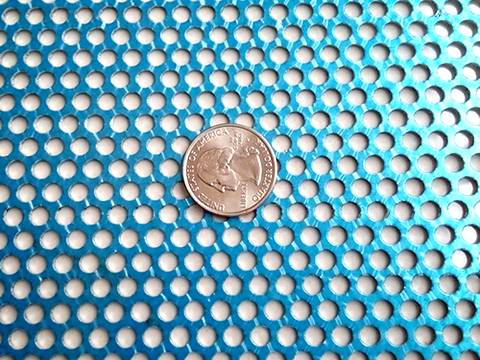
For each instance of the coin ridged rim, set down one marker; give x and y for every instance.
(214, 211)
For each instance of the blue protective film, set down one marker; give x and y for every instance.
(366, 249)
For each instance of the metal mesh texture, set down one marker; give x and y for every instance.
(366, 249)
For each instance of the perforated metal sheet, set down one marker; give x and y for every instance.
(366, 249)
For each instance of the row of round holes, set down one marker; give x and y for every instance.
(144, 214)
(274, 355)
(259, 286)
(243, 34)
(270, 121)
(254, 56)
(246, 261)
(308, 189)
(230, 13)
(206, 14)
(300, 310)
(373, 164)
(234, 336)
(243, 78)
(280, 99)
(297, 212)
(257, 236)
(281, 143)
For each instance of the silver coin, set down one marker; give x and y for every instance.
(229, 169)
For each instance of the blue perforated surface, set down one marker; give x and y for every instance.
(368, 246)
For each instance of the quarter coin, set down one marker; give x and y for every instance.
(229, 169)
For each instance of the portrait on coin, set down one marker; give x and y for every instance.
(224, 168)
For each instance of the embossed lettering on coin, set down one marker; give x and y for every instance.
(229, 169)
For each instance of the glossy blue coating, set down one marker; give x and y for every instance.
(368, 246)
